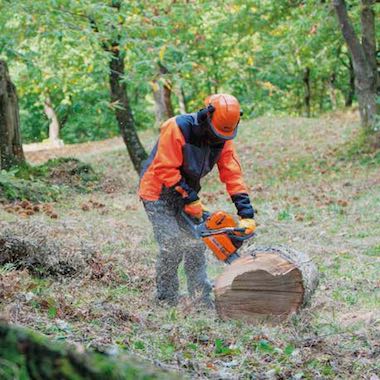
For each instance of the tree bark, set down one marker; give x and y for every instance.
(269, 284)
(182, 101)
(363, 58)
(11, 152)
(307, 95)
(351, 89)
(123, 112)
(322, 96)
(27, 355)
(162, 91)
(54, 126)
(119, 97)
(332, 90)
(369, 35)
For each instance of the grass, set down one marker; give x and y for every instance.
(312, 193)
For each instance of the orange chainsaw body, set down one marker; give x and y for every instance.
(220, 244)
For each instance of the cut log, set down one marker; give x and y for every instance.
(270, 283)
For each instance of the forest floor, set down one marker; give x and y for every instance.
(312, 192)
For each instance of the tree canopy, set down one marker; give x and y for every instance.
(276, 57)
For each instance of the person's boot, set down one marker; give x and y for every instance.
(200, 292)
(166, 301)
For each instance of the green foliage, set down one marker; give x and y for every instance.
(256, 50)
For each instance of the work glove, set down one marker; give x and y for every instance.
(249, 225)
(195, 209)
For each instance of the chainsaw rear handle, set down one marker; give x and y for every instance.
(243, 237)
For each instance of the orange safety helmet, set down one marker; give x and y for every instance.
(224, 115)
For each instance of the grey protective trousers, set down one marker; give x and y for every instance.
(176, 243)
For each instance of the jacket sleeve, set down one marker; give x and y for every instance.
(231, 175)
(169, 158)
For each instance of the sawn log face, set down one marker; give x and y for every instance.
(269, 283)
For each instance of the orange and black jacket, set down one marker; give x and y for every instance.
(183, 155)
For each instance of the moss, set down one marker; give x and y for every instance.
(31, 356)
(47, 182)
(13, 188)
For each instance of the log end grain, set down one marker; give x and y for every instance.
(268, 284)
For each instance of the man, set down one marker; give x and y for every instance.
(188, 147)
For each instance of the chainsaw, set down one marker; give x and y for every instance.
(220, 232)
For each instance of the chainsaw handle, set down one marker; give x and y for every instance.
(193, 220)
(190, 220)
(241, 238)
(240, 229)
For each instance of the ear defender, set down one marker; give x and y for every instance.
(210, 109)
(204, 113)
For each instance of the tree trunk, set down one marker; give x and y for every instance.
(322, 96)
(123, 110)
(27, 355)
(11, 152)
(53, 123)
(307, 95)
(364, 60)
(268, 284)
(332, 90)
(119, 96)
(369, 36)
(162, 91)
(182, 101)
(351, 90)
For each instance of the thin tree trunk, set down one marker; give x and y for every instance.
(321, 96)
(162, 91)
(123, 110)
(182, 100)
(366, 78)
(351, 90)
(11, 152)
(63, 120)
(119, 97)
(54, 126)
(307, 94)
(332, 90)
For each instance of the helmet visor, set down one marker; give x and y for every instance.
(225, 135)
